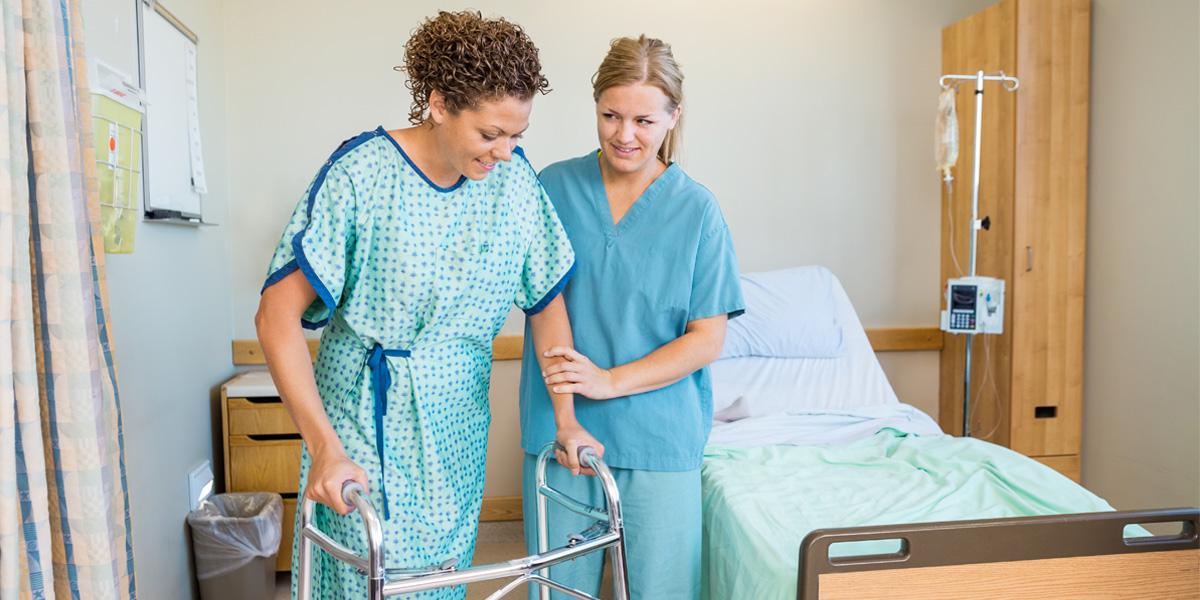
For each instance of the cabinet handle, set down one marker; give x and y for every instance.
(272, 437)
(1045, 412)
(1028, 258)
(264, 400)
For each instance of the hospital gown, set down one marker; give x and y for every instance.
(413, 282)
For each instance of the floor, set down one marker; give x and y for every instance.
(498, 542)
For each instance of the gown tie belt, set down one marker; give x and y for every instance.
(381, 382)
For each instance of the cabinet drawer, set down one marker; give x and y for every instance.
(284, 562)
(261, 463)
(250, 416)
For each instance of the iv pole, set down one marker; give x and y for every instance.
(1010, 84)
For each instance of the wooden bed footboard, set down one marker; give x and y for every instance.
(1060, 556)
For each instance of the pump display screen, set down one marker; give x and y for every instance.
(962, 297)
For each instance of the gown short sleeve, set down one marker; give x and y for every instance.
(549, 258)
(319, 241)
(715, 286)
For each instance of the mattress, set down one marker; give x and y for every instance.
(760, 502)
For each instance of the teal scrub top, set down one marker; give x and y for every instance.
(635, 286)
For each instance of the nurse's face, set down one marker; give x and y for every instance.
(632, 122)
(473, 140)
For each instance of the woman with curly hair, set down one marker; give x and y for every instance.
(409, 247)
(656, 281)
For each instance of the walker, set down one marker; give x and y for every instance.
(606, 533)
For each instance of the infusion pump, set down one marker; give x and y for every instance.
(974, 305)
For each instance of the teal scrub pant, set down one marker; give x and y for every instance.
(662, 530)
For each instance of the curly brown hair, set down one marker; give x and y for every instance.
(470, 59)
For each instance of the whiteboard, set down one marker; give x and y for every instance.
(174, 166)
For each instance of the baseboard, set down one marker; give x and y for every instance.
(501, 508)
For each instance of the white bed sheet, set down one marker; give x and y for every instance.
(809, 401)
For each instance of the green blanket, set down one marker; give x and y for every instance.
(760, 503)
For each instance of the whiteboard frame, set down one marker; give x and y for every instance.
(149, 213)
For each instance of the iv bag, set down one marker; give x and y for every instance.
(946, 143)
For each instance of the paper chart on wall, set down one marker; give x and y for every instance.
(197, 156)
(117, 116)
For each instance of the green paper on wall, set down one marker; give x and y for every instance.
(117, 130)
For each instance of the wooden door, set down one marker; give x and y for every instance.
(1046, 298)
(986, 40)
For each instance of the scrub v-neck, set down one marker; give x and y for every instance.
(604, 211)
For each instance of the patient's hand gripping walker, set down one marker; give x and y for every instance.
(606, 533)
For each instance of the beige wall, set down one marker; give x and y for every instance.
(914, 376)
(1141, 445)
(811, 121)
(171, 317)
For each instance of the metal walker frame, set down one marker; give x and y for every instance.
(607, 533)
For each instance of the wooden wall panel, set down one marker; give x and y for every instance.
(250, 352)
(904, 339)
(987, 41)
(510, 347)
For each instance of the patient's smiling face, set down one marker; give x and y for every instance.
(632, 121)
(474, 140)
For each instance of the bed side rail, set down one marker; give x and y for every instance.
(992, 541)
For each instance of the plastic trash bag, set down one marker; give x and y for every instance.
(230, 530)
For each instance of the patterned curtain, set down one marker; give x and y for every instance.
(64, 503)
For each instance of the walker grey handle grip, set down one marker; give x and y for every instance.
(350, 489)
(581, 451)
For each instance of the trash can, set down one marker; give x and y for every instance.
(235, 538)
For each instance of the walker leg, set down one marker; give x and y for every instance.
(304, 568)
(616, 522)
(620, 573)
(376, 573)
(543, 528)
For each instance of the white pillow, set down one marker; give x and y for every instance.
(790, 313)
(755, 386)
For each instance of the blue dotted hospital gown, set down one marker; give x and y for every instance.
(413, 282)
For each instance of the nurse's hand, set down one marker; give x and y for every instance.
(577, 375)
(326, 475)
(572, 437)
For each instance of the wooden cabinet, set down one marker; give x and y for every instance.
(1027, 384)
(261, 447)
(262, 452)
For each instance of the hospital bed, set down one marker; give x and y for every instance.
(819, 483)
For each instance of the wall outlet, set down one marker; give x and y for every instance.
(200, 484)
